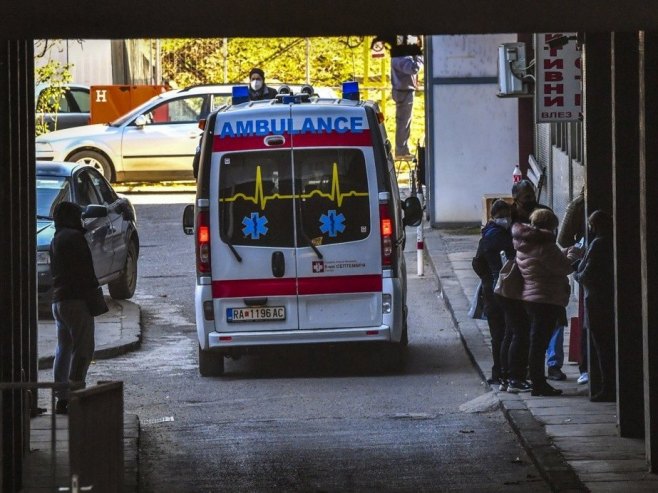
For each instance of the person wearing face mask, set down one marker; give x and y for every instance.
(495, 238)
(546, 290)
(595, 272)
(525, 203)
(258, 90)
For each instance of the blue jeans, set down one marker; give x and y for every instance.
(555, 351)
(75, 343)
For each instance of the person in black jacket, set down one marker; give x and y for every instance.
(487, 264)
(257, 88)
(74, 280)
(596, 274)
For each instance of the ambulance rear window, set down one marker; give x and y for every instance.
(256, 199)
(334, 200)
(259, 203)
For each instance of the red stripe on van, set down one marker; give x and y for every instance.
(340, 284)
(324, 139)
(242, 288)
(245, 288)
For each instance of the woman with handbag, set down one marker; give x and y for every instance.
(74, 283)
(487, 264)
(544, 267)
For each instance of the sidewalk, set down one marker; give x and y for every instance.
(117, 332)
(573, 442)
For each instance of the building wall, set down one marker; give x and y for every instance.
(559, 150)
(473, 143)
(90, 59)
(104, 61)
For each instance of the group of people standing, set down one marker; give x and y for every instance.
(522, 326)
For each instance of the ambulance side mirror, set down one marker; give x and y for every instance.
(413, 211)
(188, 220)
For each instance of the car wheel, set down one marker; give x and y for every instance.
(124, 286)
(96, 160)
(211, 364)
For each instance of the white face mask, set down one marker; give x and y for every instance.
(256, 84)
(503, 221)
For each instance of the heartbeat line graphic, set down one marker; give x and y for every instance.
(260, 199)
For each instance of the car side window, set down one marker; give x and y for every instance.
(102, 187)
(85, 190)
(81, 98)
(219, 100)
(185, 110)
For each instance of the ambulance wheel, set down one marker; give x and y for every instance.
(96, 160)
(124, 286)
(211, 364)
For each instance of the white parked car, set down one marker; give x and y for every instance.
(153, 142)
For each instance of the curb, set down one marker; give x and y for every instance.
(547, 458)
(131, 336)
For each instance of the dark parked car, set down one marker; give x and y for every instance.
(109, 220)
(73, 108)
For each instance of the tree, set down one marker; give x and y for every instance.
(329, 61)
(55, 75)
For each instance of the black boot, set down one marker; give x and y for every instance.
(544, 390)
(62, 406)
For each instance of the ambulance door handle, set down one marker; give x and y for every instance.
(278, 264)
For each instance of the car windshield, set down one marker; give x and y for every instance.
(134, 112)
(51, 190)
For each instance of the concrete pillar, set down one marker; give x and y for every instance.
(597, 135)
(18, 341)
(526, 117)
(626, 207)
(649, 236)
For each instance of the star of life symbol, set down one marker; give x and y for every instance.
(254, 226)
(318, 266)
(332, 223)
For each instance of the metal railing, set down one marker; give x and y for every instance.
(95, 433)
(27, 388)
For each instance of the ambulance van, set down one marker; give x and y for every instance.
(299, 228)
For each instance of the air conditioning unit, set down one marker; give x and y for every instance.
(512, 70)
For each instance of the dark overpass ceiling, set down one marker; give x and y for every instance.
(26, 19)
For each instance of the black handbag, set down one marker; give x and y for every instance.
(96, 302)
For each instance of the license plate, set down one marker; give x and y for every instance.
(256, 314)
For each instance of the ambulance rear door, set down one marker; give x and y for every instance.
(254, 272)
(339, 251)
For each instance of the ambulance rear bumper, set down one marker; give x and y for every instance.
(226, 340)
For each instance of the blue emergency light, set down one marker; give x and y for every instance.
(351, 90)
(240, 94)
(291, 99)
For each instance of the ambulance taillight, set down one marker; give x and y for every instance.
(386, 228)
(203, 242)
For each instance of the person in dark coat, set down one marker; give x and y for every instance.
(596, 274)
(74, 280)
(258, 90)
(495, 238)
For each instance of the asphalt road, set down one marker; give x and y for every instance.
(320, 419)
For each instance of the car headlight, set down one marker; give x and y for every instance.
(43, 147)
(43, 258)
